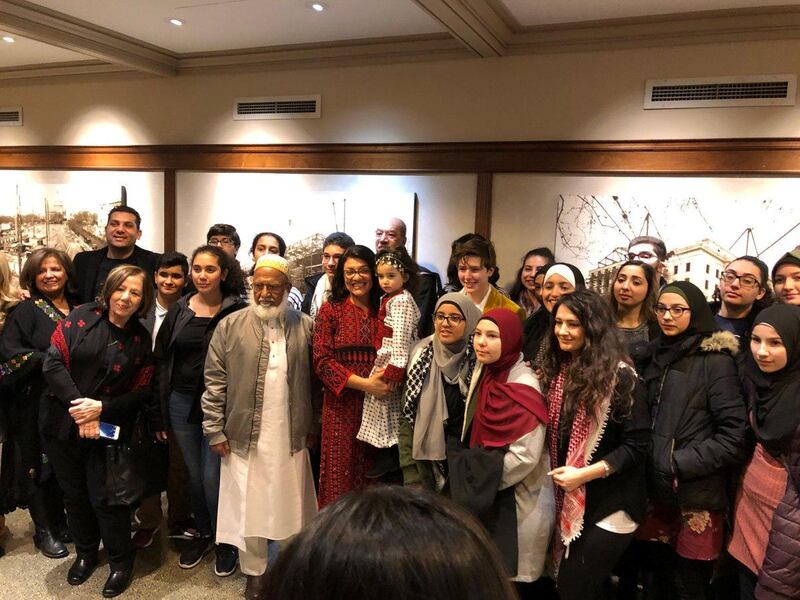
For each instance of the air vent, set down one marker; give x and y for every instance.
(277, 107)
(756, 90)
(10, 116)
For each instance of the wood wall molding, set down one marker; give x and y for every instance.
(779, 157)
(483, 204)
(170, 210)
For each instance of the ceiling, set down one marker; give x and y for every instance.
(68, 37)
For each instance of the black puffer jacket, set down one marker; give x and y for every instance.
(699, 423)
(779, 578)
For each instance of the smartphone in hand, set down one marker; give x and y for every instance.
(109, 431)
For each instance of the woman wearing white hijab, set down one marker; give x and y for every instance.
(439, 373)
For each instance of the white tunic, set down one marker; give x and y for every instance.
(270, 492)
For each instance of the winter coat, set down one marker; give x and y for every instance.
(699, 424)
(779, 578)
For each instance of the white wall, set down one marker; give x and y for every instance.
(524, 211)
(596, 95)
(446, 204)
(593, 95)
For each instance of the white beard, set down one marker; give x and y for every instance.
(265, 313)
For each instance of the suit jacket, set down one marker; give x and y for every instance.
(87, 265)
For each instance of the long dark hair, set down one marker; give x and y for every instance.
(519, 288)
(646, 315)
(763, 269)
(390, 543)
(339, 291)
(234, 283)
(590, 378)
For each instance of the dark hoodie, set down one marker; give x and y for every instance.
(177, 318)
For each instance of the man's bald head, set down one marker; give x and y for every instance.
(391, 235)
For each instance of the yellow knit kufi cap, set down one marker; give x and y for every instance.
(273, 261)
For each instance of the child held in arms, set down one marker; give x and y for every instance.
(399, 316)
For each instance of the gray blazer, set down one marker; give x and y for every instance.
(235, 368)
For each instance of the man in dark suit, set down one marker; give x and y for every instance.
(429, 286)
(122, 232)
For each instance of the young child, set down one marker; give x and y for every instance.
(399, 315)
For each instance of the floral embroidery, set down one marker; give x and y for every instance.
(81, 323)
(697, 520)
(67, 324)
(14, 363)
(47, 308)
(116, 368)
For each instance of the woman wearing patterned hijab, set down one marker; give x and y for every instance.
(439, 372)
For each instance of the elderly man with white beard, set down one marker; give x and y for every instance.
(258, 415)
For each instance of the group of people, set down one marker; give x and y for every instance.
(647, 438)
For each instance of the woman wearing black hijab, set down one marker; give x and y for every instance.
(766, 534)
(699, 435)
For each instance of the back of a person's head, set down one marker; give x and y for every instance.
(390, 543)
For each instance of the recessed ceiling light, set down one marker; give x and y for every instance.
(8, 39)
(176, 22)
(318, 6)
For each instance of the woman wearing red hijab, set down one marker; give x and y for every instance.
(501, 473)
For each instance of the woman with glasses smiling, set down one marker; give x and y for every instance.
(698, 438)
(346, 337)
(744, 293)
(439, 373)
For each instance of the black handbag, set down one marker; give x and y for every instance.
(125, 475)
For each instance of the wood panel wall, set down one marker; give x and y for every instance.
(725, 157)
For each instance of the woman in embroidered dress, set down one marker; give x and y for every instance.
(98, 368)
(399, 316)
(346, 333)
(773, 368)
(28, 481)
(598, 438)
(698, 437)
(499, 470)
(439, 374)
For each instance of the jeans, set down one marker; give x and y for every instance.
(202, 464)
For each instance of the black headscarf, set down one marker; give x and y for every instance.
(669, 348)
(790, 258)
(776, 407)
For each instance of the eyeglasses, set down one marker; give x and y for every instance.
(641, 256)
(214, 241)
(363, 271)
(272, 288)
(746, 280)
(676, 312)
(440, 318)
